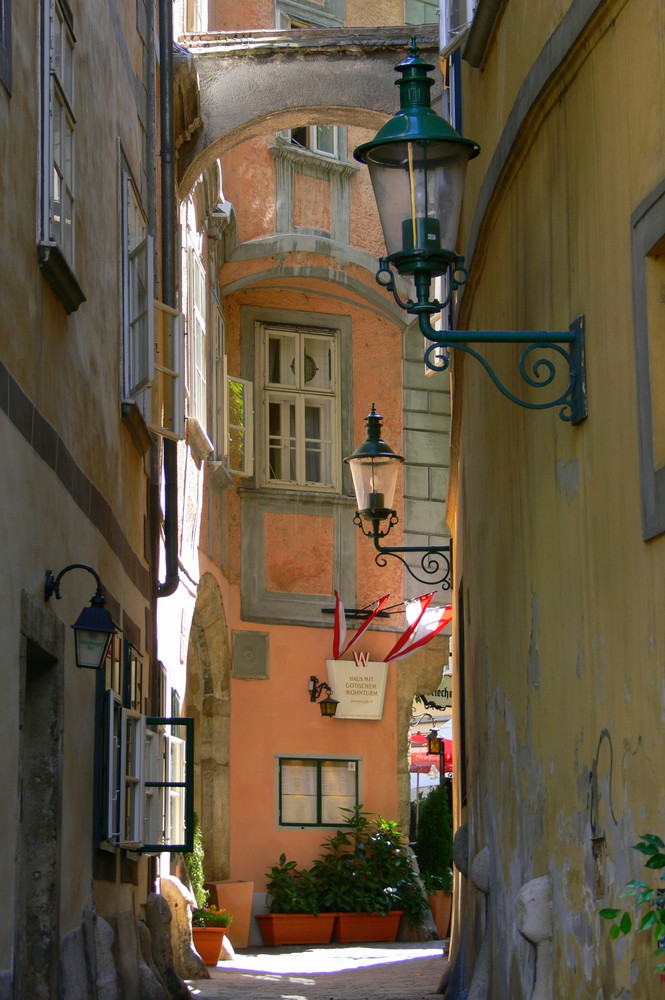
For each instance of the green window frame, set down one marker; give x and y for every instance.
(312, 791)
(147, 780)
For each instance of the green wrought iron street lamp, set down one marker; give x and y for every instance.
(374, 467)
(417, 164)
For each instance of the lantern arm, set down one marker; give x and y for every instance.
(435, 560)
(536, 371)
(52, 583)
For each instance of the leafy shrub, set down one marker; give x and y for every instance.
(653, 918)
(194, 865)
(434, 841)
(210, 916)
(368, 869)
(291, 889)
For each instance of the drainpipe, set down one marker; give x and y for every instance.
(168, 291)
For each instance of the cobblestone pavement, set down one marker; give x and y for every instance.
(401, 971)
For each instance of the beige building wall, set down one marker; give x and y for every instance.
(75, 485)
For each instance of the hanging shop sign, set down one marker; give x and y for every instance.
(359, 685)
(442, 698)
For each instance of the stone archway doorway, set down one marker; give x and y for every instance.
(208, 701)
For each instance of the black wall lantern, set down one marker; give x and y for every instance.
(329, 704)
(374, 467)
(94, 628)
(417, 163)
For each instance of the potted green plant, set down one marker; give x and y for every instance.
(366, 877)
(294, 916)
(209, 925)
(434, 850)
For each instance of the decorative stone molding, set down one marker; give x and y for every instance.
(311, 163)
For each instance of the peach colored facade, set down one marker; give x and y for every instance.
(296, 251)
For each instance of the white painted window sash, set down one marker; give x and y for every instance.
(242, 432)
(132, 791)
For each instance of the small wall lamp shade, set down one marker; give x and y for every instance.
(328, 707)
(93, 631)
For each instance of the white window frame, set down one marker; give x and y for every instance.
(299, 392)
(167, 404)
(58, 156)
(219, 406)
(195, 20)
(455, 21)
(433, 4)
(197, 337)
(111, 829)
(312, 141)
(246, 431)
(131, 784)
(137, 278)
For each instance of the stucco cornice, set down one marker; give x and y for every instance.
(338, 41)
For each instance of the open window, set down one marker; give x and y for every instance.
(148, 780)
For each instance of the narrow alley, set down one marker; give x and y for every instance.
(400, 971)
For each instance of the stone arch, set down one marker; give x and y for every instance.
(368, 299)
(250, 84)
(208, 702)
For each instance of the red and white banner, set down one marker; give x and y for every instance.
(426, 625)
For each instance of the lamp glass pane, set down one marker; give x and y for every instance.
(91, 647)
(374, 481)
(417, 181)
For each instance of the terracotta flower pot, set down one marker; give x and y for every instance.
(295, 928)
(208, 943)
(441, 904)
(356, 927)
(236, 897)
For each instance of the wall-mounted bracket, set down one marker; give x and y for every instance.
(536, 370)
(435, 562)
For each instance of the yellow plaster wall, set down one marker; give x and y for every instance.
(564, 636)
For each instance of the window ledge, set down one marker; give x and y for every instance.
(198, 441)
(319, 165)
(219, 476)
(59, 275)
(136, 425)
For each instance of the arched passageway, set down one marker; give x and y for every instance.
(253, 83)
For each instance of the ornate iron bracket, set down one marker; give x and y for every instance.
(536, 371)
(435, 563)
